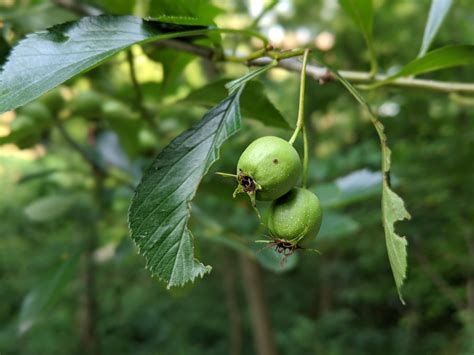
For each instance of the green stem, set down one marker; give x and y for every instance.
(226, 175)
(248, 33)
(300, 121)
(305, 156)
(286, 54)
(373, 59)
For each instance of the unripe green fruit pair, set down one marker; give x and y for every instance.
(268, 169)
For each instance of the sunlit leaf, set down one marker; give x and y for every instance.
(438, 11)
(46, 59)
(160, 209)
(393, 208)
(442, 58)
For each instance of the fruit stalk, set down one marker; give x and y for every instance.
(300, 121)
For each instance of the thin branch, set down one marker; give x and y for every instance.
(321, 73)
(316, 72)
(94, 164)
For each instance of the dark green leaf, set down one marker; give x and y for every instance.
(438, 11)
(362, 13)
(46, 59)
(442, 58)
(393, 208)
(160, 209)
(39, 301)
(254, 103)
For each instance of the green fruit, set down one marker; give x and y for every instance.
(37, 111)
(295, 216)
(269, 167)
(23, 132)
(53, 99)
(87, 103)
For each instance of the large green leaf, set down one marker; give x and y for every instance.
(393, 208)
(39, 301)
(442, 58)
(160, 209)
(254, 103)
(438, 11)
(46, 59)
(362, 13)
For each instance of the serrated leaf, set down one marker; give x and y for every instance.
(362, 13)
(48, 208)
(40, 300)
(160, 209)
(442, 58)
(438, 11)
(254, 102)
(48, 58)
(393, 208)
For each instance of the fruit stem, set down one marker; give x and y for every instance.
(305, 156)
(226, 175)
(300, 121)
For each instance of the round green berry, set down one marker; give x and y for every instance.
(295, 216)
(268, 167)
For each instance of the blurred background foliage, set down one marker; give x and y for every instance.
(70, 277)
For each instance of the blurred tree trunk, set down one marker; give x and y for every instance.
(88, 310)
(253, 282)
(88, 303)
(231, 294)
